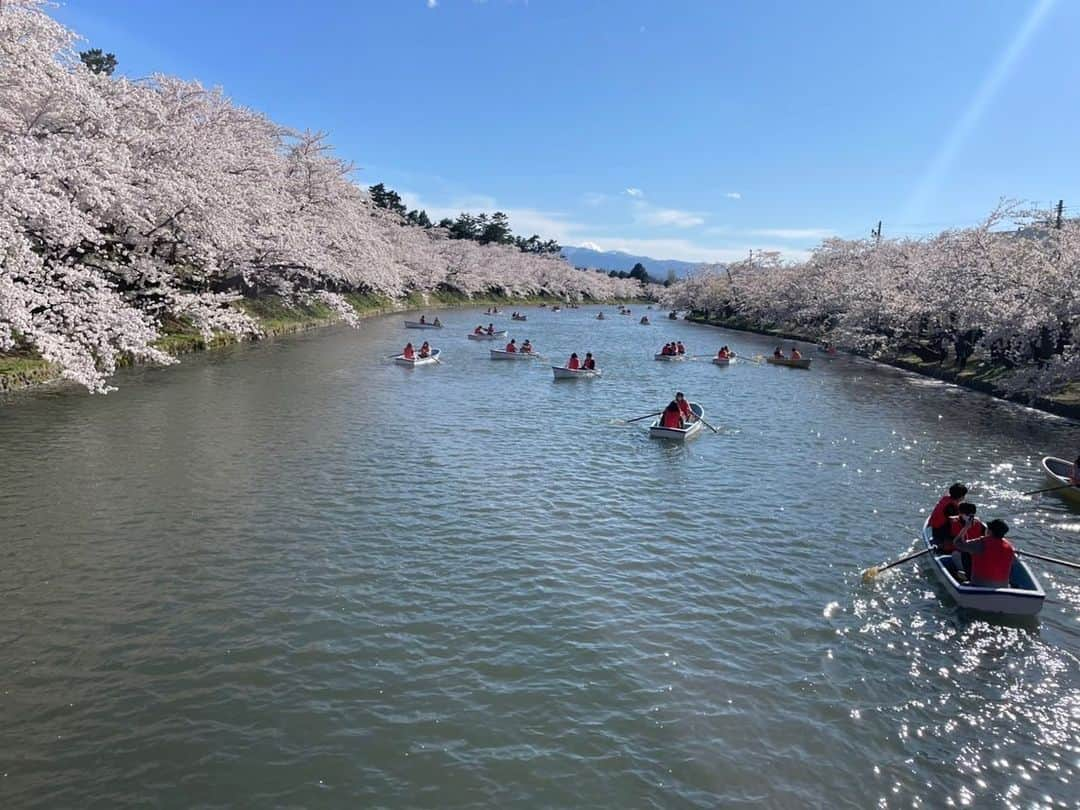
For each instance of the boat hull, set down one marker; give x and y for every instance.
(803, 362)
(401, 360)
(671, 358)
(722, 361)
(1057, 472)
(1023, 597)
(574, 373)
(418, 325)
(679, 434)
(499, 354)
(486, 336)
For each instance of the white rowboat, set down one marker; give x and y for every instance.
(402, 360)
(418, 325)
(499, 354)
(1058, 472)
(562, 373)
(486, 336)
(1023, 597)
(679, 434)
(723, 361)
(670, 357)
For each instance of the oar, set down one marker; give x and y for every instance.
(1051, 489)
(871, 572)
(1066, 563)
(706, 424)
(646, 416)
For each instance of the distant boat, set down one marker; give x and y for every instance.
(419, 325)
(562, 373)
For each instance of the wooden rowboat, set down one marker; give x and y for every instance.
(1023, 597)
(679, 434)
(499, 354)
(803, 362)
(670, 357)
(402, 360)
(418, 325)
(486, 336)
(1058, 472)
(562, 373)
(519, 317)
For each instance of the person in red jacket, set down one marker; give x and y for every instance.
(479, 330)
(684, 407)
(939, 523)
(573, 364)
(491, 329)
(408, 354)
(511, 347)
(590, 362)
(944, 545)
(671, 418)
(969, 527)
(425, 350)
(991, 556)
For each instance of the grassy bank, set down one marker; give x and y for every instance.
(274, 316)
(978, 376)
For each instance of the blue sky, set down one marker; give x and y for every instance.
(691, 130)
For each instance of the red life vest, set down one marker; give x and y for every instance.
(684, 409)
(680, 349)
(409, 354)
(995, 562)
(573, 364)
(590, 363)
(671, 419)
(937, 517)
(510, 347)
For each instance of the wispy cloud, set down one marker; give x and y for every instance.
(733, 195)
(792, 233)
(432, 3)
(593, 198)
(665, 217)
(635, 192)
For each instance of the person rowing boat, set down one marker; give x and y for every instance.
(991, 556)
(526, 347)
(425, 350)
(683, 404)
(590, 362)
(940, 522)
(795, 353)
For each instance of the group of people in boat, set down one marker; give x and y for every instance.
(480, 330)
(674, 348)
(575, 364)
(513, 348)
(492, 311)
(409, 353)
(435, 322)
(980, 553)
(518, 316)
(725, 353)
(677, 414)
(778, 353)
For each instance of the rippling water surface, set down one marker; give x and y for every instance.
(292, 574)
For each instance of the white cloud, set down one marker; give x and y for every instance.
(662, 217)
(593, 199)
(590, 245)
(792, 233)
(733, 195)
(635, 192)
(432, 3)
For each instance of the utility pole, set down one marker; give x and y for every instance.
(876, 233)
(751, 258)
(1060, 208)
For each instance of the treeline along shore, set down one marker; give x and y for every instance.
(136, 213)
(995, 307)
